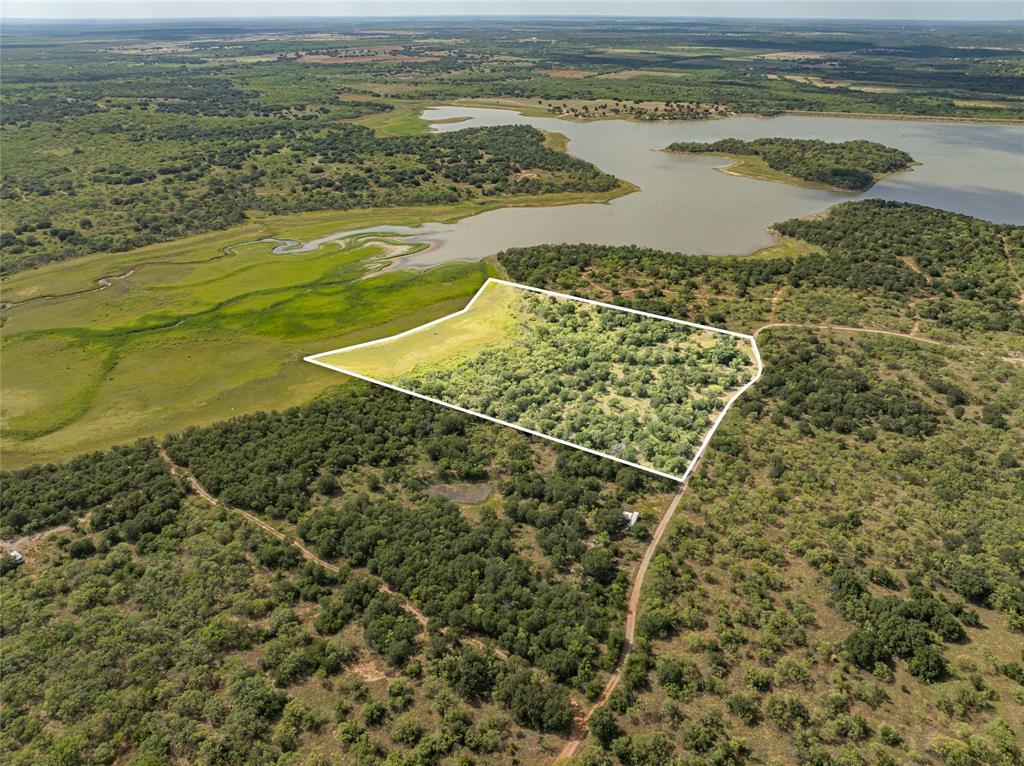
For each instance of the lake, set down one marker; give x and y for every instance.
(685, 205)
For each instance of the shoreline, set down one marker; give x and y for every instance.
(532, 110)
(741, 161)
(791, 180)
(300, 227)
(900, 117)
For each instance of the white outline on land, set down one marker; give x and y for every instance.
(315, 359)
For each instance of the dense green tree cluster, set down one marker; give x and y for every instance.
(356, 169)
(911, 629)
(839, 395)
(268, 462)
(630, 386)
(852, 165)
(125, 485)
(968, 279)
(467, 575)
(38, 94)
(652, 280)
(534, 701)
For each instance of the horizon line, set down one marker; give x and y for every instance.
(507, 15)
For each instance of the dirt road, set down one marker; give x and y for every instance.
(579, 733)
(307, 554)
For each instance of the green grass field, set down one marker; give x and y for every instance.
(184, 343)
(404, 121)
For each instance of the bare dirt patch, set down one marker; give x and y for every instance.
(981, 102)
(369, 670)
(627, 74)
(462, 493)
(28, 545)
(568, 74)
(829, 84)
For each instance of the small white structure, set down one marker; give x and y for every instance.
(10, 559)
(631, 517)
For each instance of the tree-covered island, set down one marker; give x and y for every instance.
(848, 165)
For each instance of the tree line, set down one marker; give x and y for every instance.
(921, 263)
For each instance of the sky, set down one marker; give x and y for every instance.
(937, 10)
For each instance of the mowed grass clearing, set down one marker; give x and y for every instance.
(404, 121)
(493, 319)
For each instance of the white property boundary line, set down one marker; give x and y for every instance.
(315, 359)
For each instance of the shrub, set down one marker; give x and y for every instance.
(603, 726)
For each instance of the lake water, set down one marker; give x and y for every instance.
(685, 205)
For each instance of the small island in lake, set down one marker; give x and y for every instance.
(848, 166)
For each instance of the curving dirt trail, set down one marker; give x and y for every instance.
(892, 333)
(201, 491)
(1010, 265)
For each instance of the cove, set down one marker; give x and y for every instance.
(684, 204)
